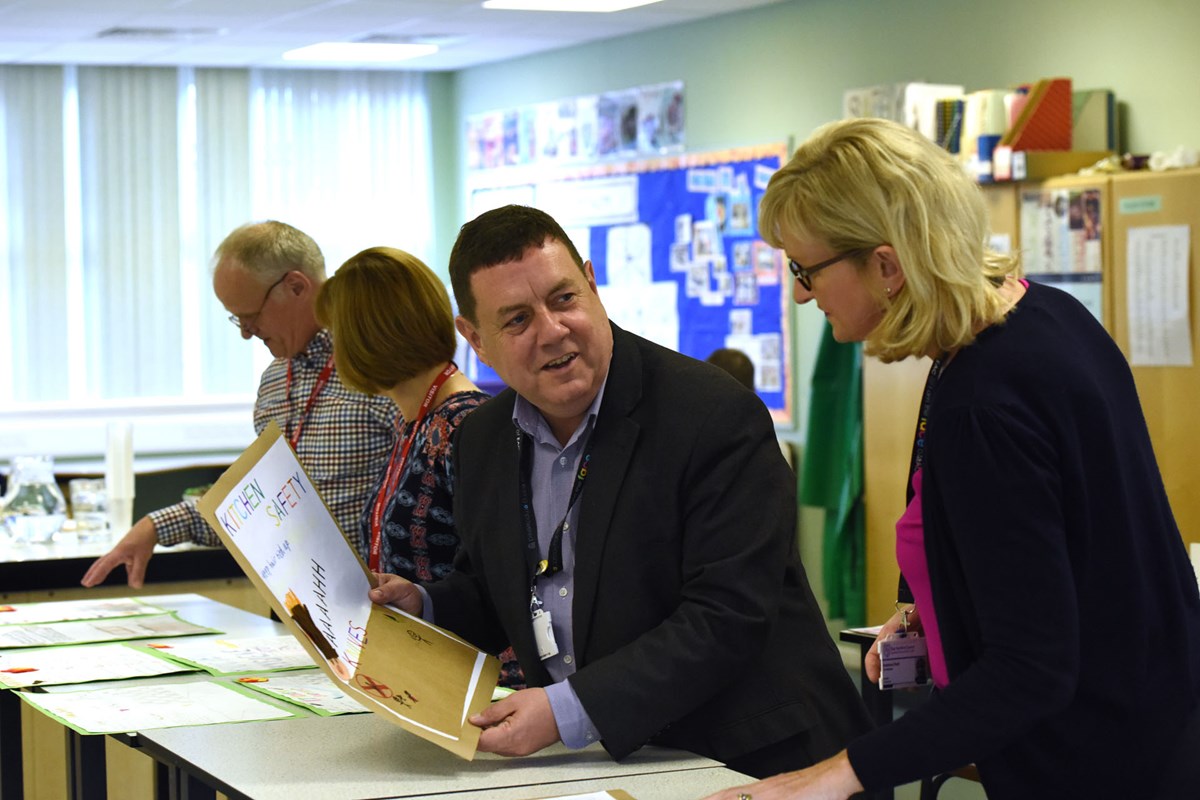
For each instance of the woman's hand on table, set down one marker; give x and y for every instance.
(831, 779)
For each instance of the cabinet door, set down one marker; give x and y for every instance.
(1170, 394)
(891, 402)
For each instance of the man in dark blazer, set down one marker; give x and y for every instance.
(628, 524)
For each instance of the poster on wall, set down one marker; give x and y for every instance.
(622, 124)
(675, 246)
(1061, 242)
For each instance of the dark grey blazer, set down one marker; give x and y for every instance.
(694, 625)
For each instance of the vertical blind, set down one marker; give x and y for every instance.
(117, 183)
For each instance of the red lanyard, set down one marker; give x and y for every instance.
(322, 379)
(396, 465)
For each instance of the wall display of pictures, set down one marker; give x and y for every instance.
(675, 246)
(629, 123)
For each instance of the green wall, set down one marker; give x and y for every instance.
(777, 72)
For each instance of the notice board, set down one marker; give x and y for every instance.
(675, 246)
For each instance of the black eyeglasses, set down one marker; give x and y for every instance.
(244, 321)
(804, 274)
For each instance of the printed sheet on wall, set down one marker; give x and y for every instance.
(675, 246)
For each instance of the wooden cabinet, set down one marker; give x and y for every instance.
(1169, 395)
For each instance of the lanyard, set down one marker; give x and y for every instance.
(918, 451)
(322, 379)
(397, 462)
(553, 561)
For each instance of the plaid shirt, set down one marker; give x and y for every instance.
(344, 446)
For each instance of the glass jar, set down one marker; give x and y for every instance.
(33, 509)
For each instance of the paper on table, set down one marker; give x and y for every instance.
(85, 631)
(274, 523)
(20, 669)
(121, 709)
(233, 656)
(313, 690)
(65, 610)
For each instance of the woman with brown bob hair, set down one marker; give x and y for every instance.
(393, 334)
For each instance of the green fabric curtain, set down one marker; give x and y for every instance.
(832, 474)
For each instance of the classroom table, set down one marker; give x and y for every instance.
(358, 755)
(61, 563)
(365, 756)
(86, 769)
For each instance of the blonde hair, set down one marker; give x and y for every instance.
(858, 184)
(389, 316)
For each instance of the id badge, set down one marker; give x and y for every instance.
(543, 634)
(904, 661)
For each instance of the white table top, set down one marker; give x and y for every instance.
(685, 785)
(365, 756)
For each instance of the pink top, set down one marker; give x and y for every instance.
(910, 555)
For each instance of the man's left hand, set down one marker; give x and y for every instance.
(518, 725)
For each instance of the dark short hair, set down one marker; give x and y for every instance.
(736, 363)
(498, 237)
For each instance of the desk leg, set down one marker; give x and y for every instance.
(87, 771)
(12, 779)
(179, 785)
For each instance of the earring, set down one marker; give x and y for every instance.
(888, 290)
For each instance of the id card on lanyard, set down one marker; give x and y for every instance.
(543, 632)
(396, 466)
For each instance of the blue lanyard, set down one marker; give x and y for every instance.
(553, 562)
(918, 450)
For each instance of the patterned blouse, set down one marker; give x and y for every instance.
(419, 541)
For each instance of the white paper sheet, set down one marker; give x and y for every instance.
(311, 689)
(123, 709)
(1157, 296)
(61, 665)
(232, 656)
(66, 610)
(111, 630)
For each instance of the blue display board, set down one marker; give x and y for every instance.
(675, 246)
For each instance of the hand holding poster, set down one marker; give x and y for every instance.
(273, 521)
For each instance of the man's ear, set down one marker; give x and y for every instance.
(472, 336)
(589, 273)
(297, 283)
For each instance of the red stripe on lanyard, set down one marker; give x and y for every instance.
(396, 465)
(322, 379)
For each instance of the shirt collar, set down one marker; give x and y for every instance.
(318, 351)
(528, 418)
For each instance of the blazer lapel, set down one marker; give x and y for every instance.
(616, 438)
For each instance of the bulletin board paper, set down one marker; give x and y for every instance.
(675, 246)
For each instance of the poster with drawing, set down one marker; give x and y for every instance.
(274, 522)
